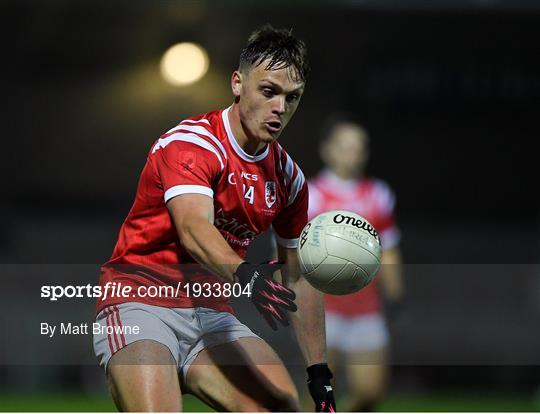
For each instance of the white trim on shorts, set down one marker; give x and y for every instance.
(356, 333)
(184, 331)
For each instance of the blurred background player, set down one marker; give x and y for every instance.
(356, 330)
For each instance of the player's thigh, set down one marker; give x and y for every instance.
(243, 375)
(140, 366)
(367, 372)
(143, 377)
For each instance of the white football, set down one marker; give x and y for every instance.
(339, 252)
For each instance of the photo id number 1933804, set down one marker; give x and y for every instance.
(207, 290)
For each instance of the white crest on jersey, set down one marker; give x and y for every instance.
(270, 195)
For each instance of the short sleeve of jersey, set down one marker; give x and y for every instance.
(291, 221)
(186, 168)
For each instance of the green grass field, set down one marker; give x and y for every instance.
(403, 402)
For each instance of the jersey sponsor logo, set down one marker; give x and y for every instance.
(233, 227)
(270, 193)
(231, 178)
(248, 191)
(360, 224)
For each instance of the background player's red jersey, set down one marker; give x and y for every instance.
(372, 199)
(250, 192)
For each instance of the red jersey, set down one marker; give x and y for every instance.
(250, 193)
(372, 199)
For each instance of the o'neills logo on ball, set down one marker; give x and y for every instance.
(360, 224)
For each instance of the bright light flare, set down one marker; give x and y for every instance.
(184, 64)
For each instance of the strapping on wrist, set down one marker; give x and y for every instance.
(319, 370)
(243, 273)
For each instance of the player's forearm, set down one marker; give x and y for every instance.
(308, 322)
(392, 274)
(206, 245)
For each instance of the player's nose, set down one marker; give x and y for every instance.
(279, 105)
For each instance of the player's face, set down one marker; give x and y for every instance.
(346, 151)
(267, 100)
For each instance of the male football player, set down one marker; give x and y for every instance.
(356, 329)
(210, 185)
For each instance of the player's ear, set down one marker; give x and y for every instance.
(236, 84)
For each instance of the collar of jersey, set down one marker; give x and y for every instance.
(239, 151)
(337, 184)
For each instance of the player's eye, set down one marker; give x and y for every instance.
(292, 98)
(268, 92)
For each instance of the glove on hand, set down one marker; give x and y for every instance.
(319, 376)
(271, 298)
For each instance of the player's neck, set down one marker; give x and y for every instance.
(250, 147)
(345, 175)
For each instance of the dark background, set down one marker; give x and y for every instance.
(449, 92)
